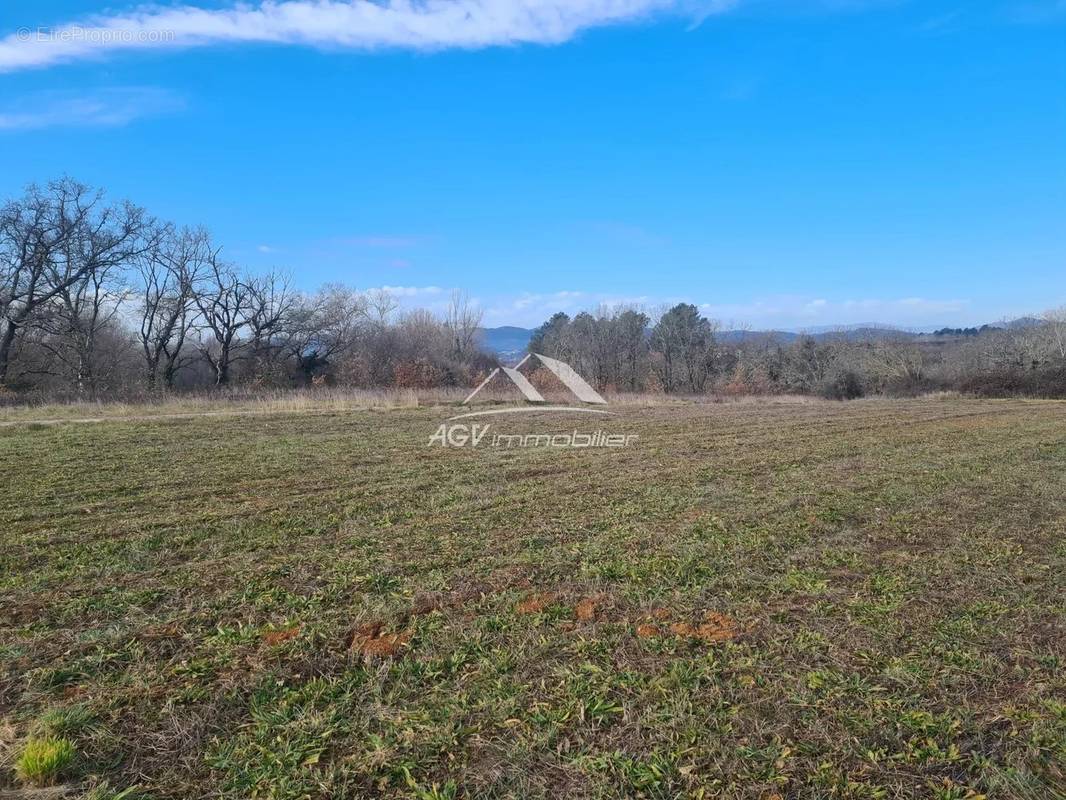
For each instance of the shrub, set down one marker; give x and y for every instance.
(912, 387)
(1048, 382)
(845, 385)
(42, 761)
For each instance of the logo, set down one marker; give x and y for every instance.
(462, 434)
(563, 371)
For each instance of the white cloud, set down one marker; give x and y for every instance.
(352, 24)
(411, 291)
(98, 108)
(556, 300)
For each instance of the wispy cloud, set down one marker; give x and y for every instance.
(98, 108)
(412, 291)
(353, 24)
(556, 301)
(1039, 11)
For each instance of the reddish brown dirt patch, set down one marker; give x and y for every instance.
(370, 640)
(717, 627)
(368, 630)
(714, 628)
(587, 608)
(682, 629)
(277, 637)
(648, 631)
(386, 646)
(535, 603)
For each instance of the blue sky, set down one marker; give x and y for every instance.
(781, 163)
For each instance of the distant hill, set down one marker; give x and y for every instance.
(507, 341)
(1021, 322)
(747, 336)
(862, 331)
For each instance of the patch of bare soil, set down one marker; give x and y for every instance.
(587, 609)
(277, 637)
(715, 627)
(372, 641)
(535, 603)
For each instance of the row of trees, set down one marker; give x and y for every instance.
(614, 348)
(98, 297)
(677, 350)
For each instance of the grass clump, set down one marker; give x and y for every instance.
(43, 761)
(65, 721)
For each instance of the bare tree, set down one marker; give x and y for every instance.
(49, 241)
(379, 306)
(225, 302)
(169, 272)
(74, 320)
(463, 321)
(323, 326)
(269, 315)
(808, 363)
(896, 359)
(1055, 322)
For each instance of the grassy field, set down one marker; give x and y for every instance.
(766, 601)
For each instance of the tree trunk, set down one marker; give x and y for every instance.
(7, 341)
(222, 367)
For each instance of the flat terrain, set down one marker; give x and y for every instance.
(854, 600)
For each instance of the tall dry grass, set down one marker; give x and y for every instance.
(337, 399)
(237, 401)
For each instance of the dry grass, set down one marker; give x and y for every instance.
(335, 400)
(263, 402)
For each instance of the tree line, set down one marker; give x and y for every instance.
(100, 298)
(679, 351)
